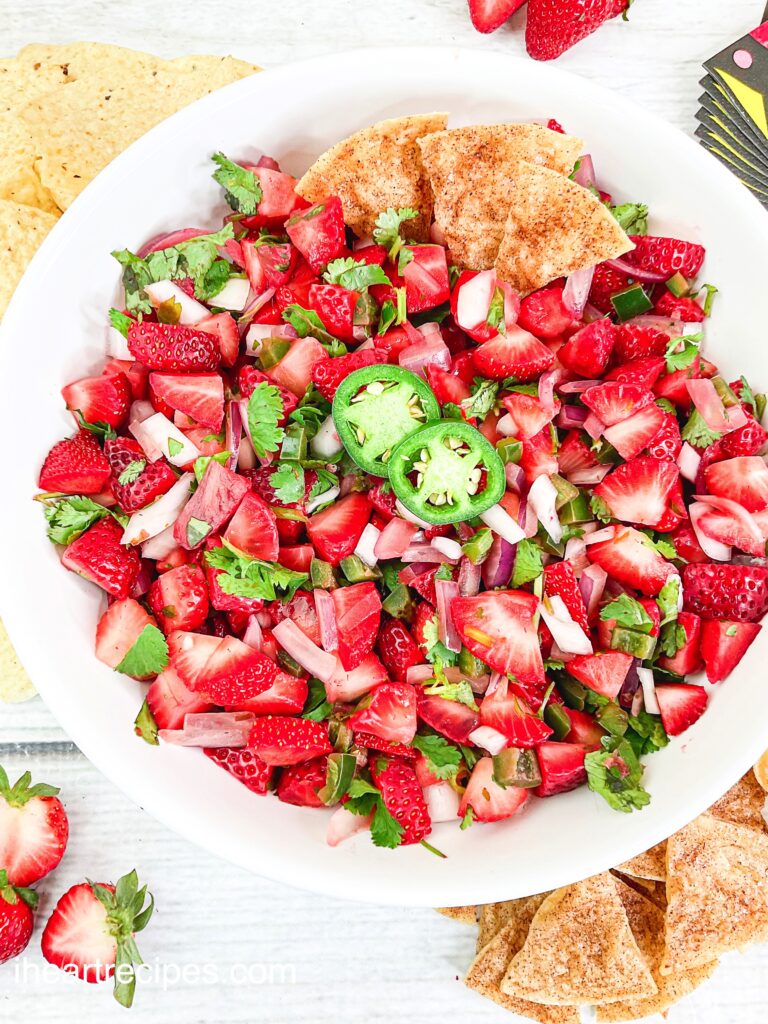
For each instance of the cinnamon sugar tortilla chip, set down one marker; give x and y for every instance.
(374, 169)
(743, 804)
(490, 964)
(474, 170)
(22, 229)
(466, 915)
(651, 865)
(761, 771)
(494, 916)
(656, 892)
(647, 923)
(580, 949)
(717, 890)
(554, 227)
(15, 685)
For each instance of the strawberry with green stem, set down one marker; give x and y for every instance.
(16, 919)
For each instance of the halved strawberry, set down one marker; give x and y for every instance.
(169, 700)
(539, 456)
(358, 612)
(397, 649)
(642, 372)
(574, 454)
(296, 556)
(294, 371)
(630, 558)
(639, 491)
(426, 278)
(561, 766)
(118, 630)
(498, 628)
(490, 801)
(673, 386)
(392, 749)
(199, 395)
(286, 696)
(233, 673)
(507, 713)
(179, 599)
(632, 435)
(588, 350)
(299, 783)
(738, 592)
(336, 308)
(75, 466)
(604, 673)
(688, 659)
(516, 354)
(16, 918)
(723, 644)
(279, 740)
(584, 728)
(223, 327)
(606, 282)
(684, 308)
(173, 348)
(104, 399)
(278, 261)
(318, 233)
(612, 402)
(527, 415)
(488, 15)
(747, 440)
(98, 556)
(453, 720)
(33, 829)
(327, 374)
(246, 766)
(687, 544)
(403, 798)
(335, 531)
(253, 529)
(347, 686)
(639, 341)
(560, 579)
(544, 313)
(214, 502)
(447, 387)
(668, 256)
(743, 479)
(388, 712)
(136, 481)
(681, 704)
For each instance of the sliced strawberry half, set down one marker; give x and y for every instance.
(335, 531)
(318, 232)
(300, 783)
(198, 395)
(214, 502)
(488, 800)
(75, 466)
(34, 829)
(630, 558)
(668, 256)
(279, 740)
(516, 354)
(328, 373)
(104, 399)
(119, 628)
(510, 715)
(632, 435)
(588, 350)
(223, 328)
(169, 701)
(639, 491)
(742, 479)
(173, 348)
(246, 766)
(488, 15)
(388, 712)
(253, 529)
(561, 766)
(98, 556)
(397, 649)
(358, 613)
(498, 628)
(560, 579)
(544, 313)
(604, 673)
(681, 704)
(453, 720)
(179, 599)
(723, 644)
(136, 482)
(612, 402)
(403, 798)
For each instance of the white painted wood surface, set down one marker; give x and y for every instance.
(249, 950)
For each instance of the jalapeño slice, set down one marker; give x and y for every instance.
(375, 408)
(447, 472)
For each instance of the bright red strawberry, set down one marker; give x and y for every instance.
(487, 799)
(639, 341)
(681, 705)
(299, 783)
(747, 440)
(33, 829)
(630, 558)
(179, 599)
(667, 443)
(453, 720)
(560, 580)
(223, 327)
(335, 531)
(253, 529)
(383, 499)
(173, 348)
(724, 644)
(318, 233)
(632, 435)
(605, 283)
(426, 278)
(642, 372)
(526, 416)
(248, 377)
(639, 491)
(587, 351)
(539, 457)
(584, 729)
(99, 556)
(687, 544)
(336, 308)
(284, 741)
(232, 671)
(358, 612)
(119, 628)
(348, 686)
(16, 919)
(198, 395)
(603, 673)
(388, 712)
(246, 766)
(278, 263)
(447, 387)
(515, 354)
(498, 628)
(574, 455)
(507, 713)
(93, 927)
(684, 308)
(327, 374)
(169, 701)
(104, 399)
(688, 659)
(75, 466)
(561, 766)
(555, 126)
(424, 585)
(668, 256)
(612, 402)
(488, 15)
(544, 313)
(397, 649)
(371, 742)
(403, 798)
(214, 502)
(554, 26)
(743, 479)
(738, 592)
(286, 696)
(136, 482)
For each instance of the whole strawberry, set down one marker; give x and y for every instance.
(16, 921)
(715, 591)
(92, 929)
(33, 829)
(554, 26)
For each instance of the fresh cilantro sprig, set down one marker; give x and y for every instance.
(435, 648)
(365, 799)
(496, 318)
(678, 358)
(482, 400)
(616, 773)
(356, 275)
(265, 410)
(148, 656)
(646, 733)
(627, 612)
(242, 189)
(528, 563)
(460, 692)
(443, 758)
(287, 482)
(70, 517)
(132, 472)
(307, 323)
(632, 217)
(388, 225)
(697, 433)
(251, 577)
(317, 707)
(120, 321)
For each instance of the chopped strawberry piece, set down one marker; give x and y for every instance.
(606, 283)
(278, 262)
(743, 479)
(631, 559)
(490, 801)
(119, 628)
(284, 741)
(300, 609)
(328, 373)
(447, 387)
(603, 673)
(561, 766)
(488, 15)
(632, 435)
(510, 715)
(666, 444)
(681, 705)
(688, 659)
(738, 592)
(544, 313)
(574, 454)
(498, 628)
(224, 328)
(639, 341)
(392, 749)
(584, 729)
(170, 701)
(253, 529)
(404, 799)
(668, 256)
(397, 649)
(336, 308)
(294, 371)
(318, 233)
(136, 482)
(588, 350)
(214, 502)
(747, 440)
(246, 766)
(426, 278)
(643, 372)
(612, 402)
(98, 556)
(104, 399)
(199, 396)
(514, 354)
(539, 457)
(299, 783)
(560, 580)
(179, 599)
(346, 686)
(173, 348)
(639, 491)
(453, 720)
(75, 466)
(286, 696)
(687, 544)
(723, 644)
(336, 530)
(526, 415)
(358, 612)
(388, 712)
(684, 308)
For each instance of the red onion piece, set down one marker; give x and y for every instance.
(317, 662)
(688, 462)
(253, 634)
(447, 591)
(470, 576)
(546, 392)
(489, 739)
(593, 426)
(417, 674)
(575, 387)
(143, 582)
(448, 546)
(585, 175)
(442, 802)
(431, 351)
(736, 511)
(607, 533)
(343, 824)
(629, 687)
(710, 405)
(326, 618)
(625, 267)
(592, 586)
(713, 549)
(589, 477)
(253, 307)
(169, 239)
(496, 570)
(576, 291)
(426, 553)
(572, 417)
(211, 729)
(672, 326)
(515, 477)
(233, 434)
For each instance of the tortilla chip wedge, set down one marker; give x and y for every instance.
(494, 916)
(473, 172)
(743, 804)
(466, 915)
(717, 888)
(580, 949)
(374, 169)
(490, 964)
(761, 771)
(22, 229)
(15, 685)
(651, 865)
(647, 923)
(554, 227)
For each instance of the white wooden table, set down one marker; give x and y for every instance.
(236, 948)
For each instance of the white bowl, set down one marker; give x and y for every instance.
(55, 331)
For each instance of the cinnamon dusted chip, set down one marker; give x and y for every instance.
(656, 892)
(647, 923)
(474, 173)
(467, 915)
(554, 227)
(743, 804)
(651, 865)
(494, 916)
(580, 949)
(22, 229)
(375, 169)
(761, 771)
(717, 891)
(490, 964)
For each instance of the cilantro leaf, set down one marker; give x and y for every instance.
(666, 406)
(460, 692)
(242, 188)
(69, 518)
(627, 612)
(469, 818)
(120, 321)
(668, 600)
(355, 275)
(306, 323)
(481, 401)
(287, 482)
(132, 472)
(600, 509)
(649, 730)
(615, 773)
(317, 708)
(148, 656)
(252, 578)
(387, 316)
(747, 396)
(387, 230)
(672, 638)
(697, 433)
(682, 359)
(632, 217)
(365, 799)
(325, 481)
(201, 463)
(145, 726)
(443, 757)
(528, 564)
(197, 530)
(495, 318)
(174, 447)
(435, 648)
(265, 410)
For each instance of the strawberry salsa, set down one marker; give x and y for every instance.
(385, 536)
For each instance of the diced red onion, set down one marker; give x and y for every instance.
(326, 618)
(395, 538)
(246, 456)
(592, 586)
(630, 687)
(253, 307)
(672, 326)
(366, 546)
(645, 675)
(157, 517)
(418, 674)
(589, 477)
(159, 432)
(714, 549)
(192, 311)
(489, 739)
(572, 417)
(146, 440)
(575, 387)
(447, 591)
(431, 352)
(442, 802)
(625, 267)
(710, 405)
(253, 635)
(607, 533)
(474, 300)
(168, 239)
(343, 824)
(515, 477)
(496, 570)
(429, 329)
(526, 517)
(257, 334)
(542, 497)
(576, 553)
(688, 462)
(637, 702)
(502, 523)
(496, 680)
(143, 582)
(233, 433)
(317, 662)
(737, 511)
(593, 426)
(159, 546)
(546, 392)
(362, 243)
(449, 547)
(507, 425)
(585, 174)
(211, 729)
(576, 291)
(591, 313)
(140, 410)
(470, 576)
(567, 634)
(323, 499)
(426, 553)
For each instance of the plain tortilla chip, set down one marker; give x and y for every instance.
(375, 169)
(15, 685)
(112, 101)
(651, 865)
(466, 915)
(22, 229)
(717, 891)
(490, 964)
(743, 804)
(580, 949)
(554, 227)
(647, 923)
(474, 173)
(761, 771)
